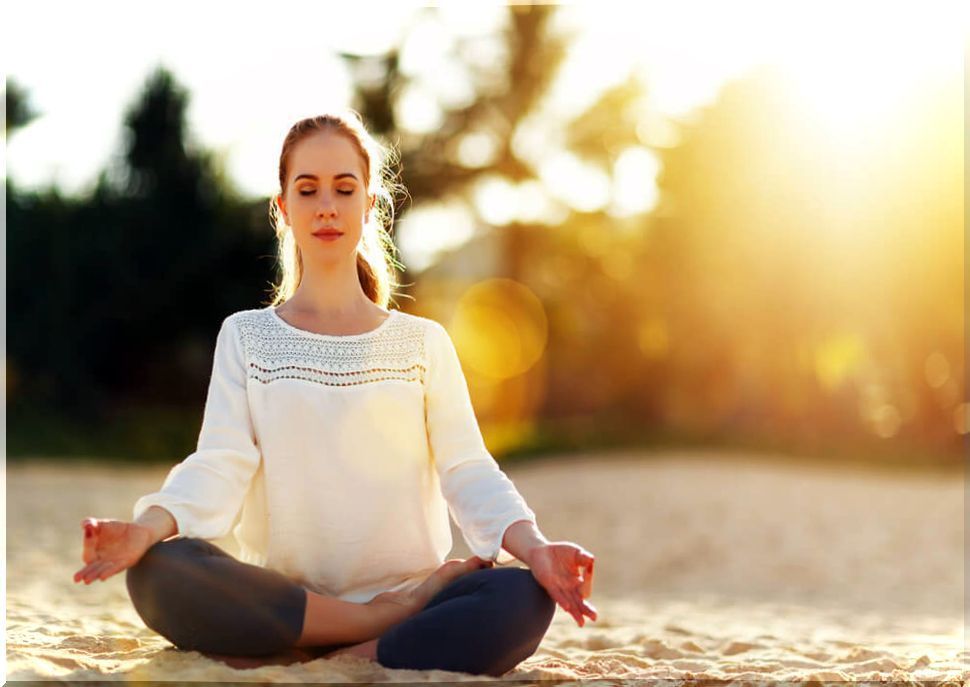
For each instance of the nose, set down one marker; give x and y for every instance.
(327, 206)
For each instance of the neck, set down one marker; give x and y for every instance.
(331, 290)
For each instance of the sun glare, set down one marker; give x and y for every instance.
(855, 73)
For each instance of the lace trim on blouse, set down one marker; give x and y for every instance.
(273, 352)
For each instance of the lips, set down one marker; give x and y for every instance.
(328, 233)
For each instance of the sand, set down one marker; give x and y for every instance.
(709, 567)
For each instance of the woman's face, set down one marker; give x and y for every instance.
(326, 201)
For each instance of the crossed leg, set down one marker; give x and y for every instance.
(200, 598)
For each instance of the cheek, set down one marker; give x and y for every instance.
(356, 209)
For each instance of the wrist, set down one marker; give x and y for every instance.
(522, 539)
(158, 523)
(144, 535)
(530, 552)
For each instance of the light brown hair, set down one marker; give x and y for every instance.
(376, 260)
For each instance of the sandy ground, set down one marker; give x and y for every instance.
(709, 567)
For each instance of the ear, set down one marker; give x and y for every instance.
(282, 207)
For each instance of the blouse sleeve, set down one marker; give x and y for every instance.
(481, 498)
(205, 491)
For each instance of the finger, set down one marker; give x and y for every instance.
(584, 608)
(569, 605)
(586, 562)
(87, 576)
(105, 570)
(110, 569)
(560, 598)
(91, 526)
(577, 603)
(96, 569)
(590, 610)
(586, 586)
(84, 573)
(91, 531)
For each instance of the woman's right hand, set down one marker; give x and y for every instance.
(111, 546)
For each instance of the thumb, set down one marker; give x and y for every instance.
(90, 531)
(90, 527)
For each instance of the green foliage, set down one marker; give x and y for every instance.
(114, 299)
(19, 113)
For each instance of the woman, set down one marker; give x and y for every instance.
(336, 437)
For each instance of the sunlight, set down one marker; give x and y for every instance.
(875, 60)
(501, 202)
(582, 186)
(429, 230)
(500, 328)
(836, 357)
(635, 182)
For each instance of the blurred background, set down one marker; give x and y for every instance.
(686, 224)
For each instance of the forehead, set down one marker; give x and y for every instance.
(325, 154)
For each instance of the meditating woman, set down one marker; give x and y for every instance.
(336, 437)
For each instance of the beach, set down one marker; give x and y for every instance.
(709, 567)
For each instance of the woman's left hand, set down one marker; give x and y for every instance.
(565, 570)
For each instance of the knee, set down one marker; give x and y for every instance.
(526, 602)
(153, 580)
(159, 563)
(527, 611)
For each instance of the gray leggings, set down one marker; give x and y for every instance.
(202, 599)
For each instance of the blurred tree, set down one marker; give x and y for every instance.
(19, 111)
(150, 262)
(431, 167)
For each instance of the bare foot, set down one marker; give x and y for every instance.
(409, 602)
(448, 572)
(417, 598)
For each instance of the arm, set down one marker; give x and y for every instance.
(485, 504)
(159, 522)
(481, 498)
(521, 540)
(203, 494)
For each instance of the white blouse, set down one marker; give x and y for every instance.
(336, 459)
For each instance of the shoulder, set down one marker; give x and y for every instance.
(431, 332)
(425, 324)
(241, 317)
(247, 323)
(241, 327)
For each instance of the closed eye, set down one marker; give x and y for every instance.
(341, 191)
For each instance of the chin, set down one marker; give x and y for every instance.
(330, 255)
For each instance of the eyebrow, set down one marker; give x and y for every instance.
(336, 176)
